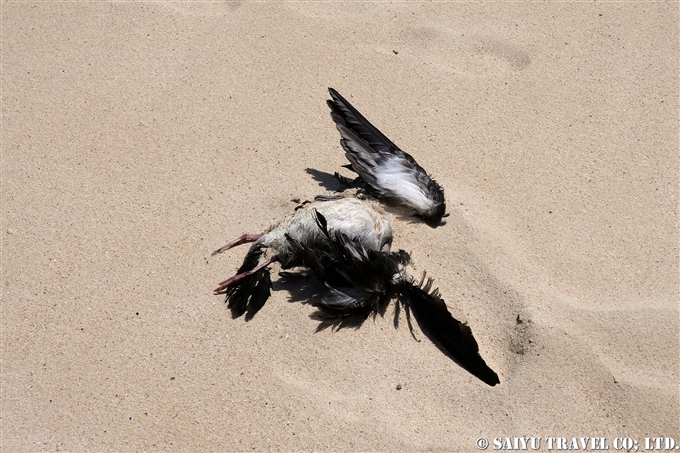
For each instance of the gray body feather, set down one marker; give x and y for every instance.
(360, 220)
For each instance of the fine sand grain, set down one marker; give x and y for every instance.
(138, 137)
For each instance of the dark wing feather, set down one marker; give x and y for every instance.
(453, 335)
(365, 146)
(343, 113)
(363, 159)
(368, 150)
(251, 293)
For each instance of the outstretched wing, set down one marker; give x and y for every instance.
(390, 172)
(365, 146)
(454, 336)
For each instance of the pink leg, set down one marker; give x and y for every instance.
(238, 277)
(238, 241)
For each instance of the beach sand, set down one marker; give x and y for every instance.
(139, 137)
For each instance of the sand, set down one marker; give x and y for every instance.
(139, 137)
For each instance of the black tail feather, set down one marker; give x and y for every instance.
(454, 336)
(251, 293)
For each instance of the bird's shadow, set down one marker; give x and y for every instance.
(326, 180)
(304, 288)
(339, 184)
(426, 331)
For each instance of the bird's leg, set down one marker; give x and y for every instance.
(328, 197)
(238, 277)
(288, 274)
(238, 241)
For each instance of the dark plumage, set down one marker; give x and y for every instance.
(362, 281)
(390, 173)
(358, 278)
(453, 335)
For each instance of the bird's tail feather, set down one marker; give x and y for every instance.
(456, 337)
(250, 293)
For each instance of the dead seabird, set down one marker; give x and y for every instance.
(249, 289)
(361, 281)
(390, 173)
